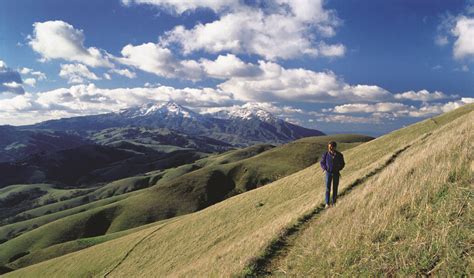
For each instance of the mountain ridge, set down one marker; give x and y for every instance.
(242, 127)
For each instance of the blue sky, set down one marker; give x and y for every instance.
(338, 66)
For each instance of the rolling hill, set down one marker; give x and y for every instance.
(16, 143)
(405, 209)
(178, 191)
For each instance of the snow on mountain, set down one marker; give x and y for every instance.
(243, 113)
(163, 109)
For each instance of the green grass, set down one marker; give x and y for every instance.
(33, 218)
(22, 197)
(218, 179)
(234, 233)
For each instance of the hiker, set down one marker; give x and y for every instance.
(332, 162)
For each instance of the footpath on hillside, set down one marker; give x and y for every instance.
(267, 264)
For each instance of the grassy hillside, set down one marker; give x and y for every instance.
(222, 176)
(109, 193)
(413, 219)
(415, 178)
(21, 197)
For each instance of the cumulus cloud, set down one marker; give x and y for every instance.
(124, 72)
(227, 66)
(31, 76)
(370, 108)
(423, 95)
(76, 73)
(277, 29)
(335, 50)
(346, 119)
(30, 82)
(278, 83)
(10, 80)
(60, 40)
(394, 110)
(434, 109)
(159, 60)
(464, 33)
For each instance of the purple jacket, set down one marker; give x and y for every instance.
(332, 165)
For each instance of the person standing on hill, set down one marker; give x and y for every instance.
(332, 162)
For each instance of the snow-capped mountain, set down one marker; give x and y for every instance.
(162, 109)
(239, 126)
(245, 114)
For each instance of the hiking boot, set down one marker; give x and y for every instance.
(326, 206)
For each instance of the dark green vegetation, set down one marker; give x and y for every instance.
(102, 213)
(159, 139)
(88, 165)
(17, 143)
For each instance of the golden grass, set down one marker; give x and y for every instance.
(414, 218)
(224, 239)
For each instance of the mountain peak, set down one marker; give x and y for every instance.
(245, 113)
(165, 108)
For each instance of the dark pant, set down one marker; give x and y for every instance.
(334, 178)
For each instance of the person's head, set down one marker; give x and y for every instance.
(332, 146)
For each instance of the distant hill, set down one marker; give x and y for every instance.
(404, 210)
(16, 143)
(177, 191)
(89, 165)
(240, 129)
(159, 139)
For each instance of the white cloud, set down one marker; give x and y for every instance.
(383, 107)
(31, 76)
(278, 29)
(423, 95)
(464, 31)
(394, 110)
(60, 40)
(348, 119)
(124, 72)
(107, 76)
(441, 40)
(25, 70)
(159, 60)
(89, 99)
(10, 80)
(434, 109)
(39, 75)
(30, 82)
(277, 83)
(335, 50)
(227, 66)
(76, 73)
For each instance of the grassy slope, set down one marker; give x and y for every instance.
(139, 209)
(113, 191)
(21, 197)
(232, 233)
(414, 218)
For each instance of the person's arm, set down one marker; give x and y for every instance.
(323, 162)
(343, 163)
